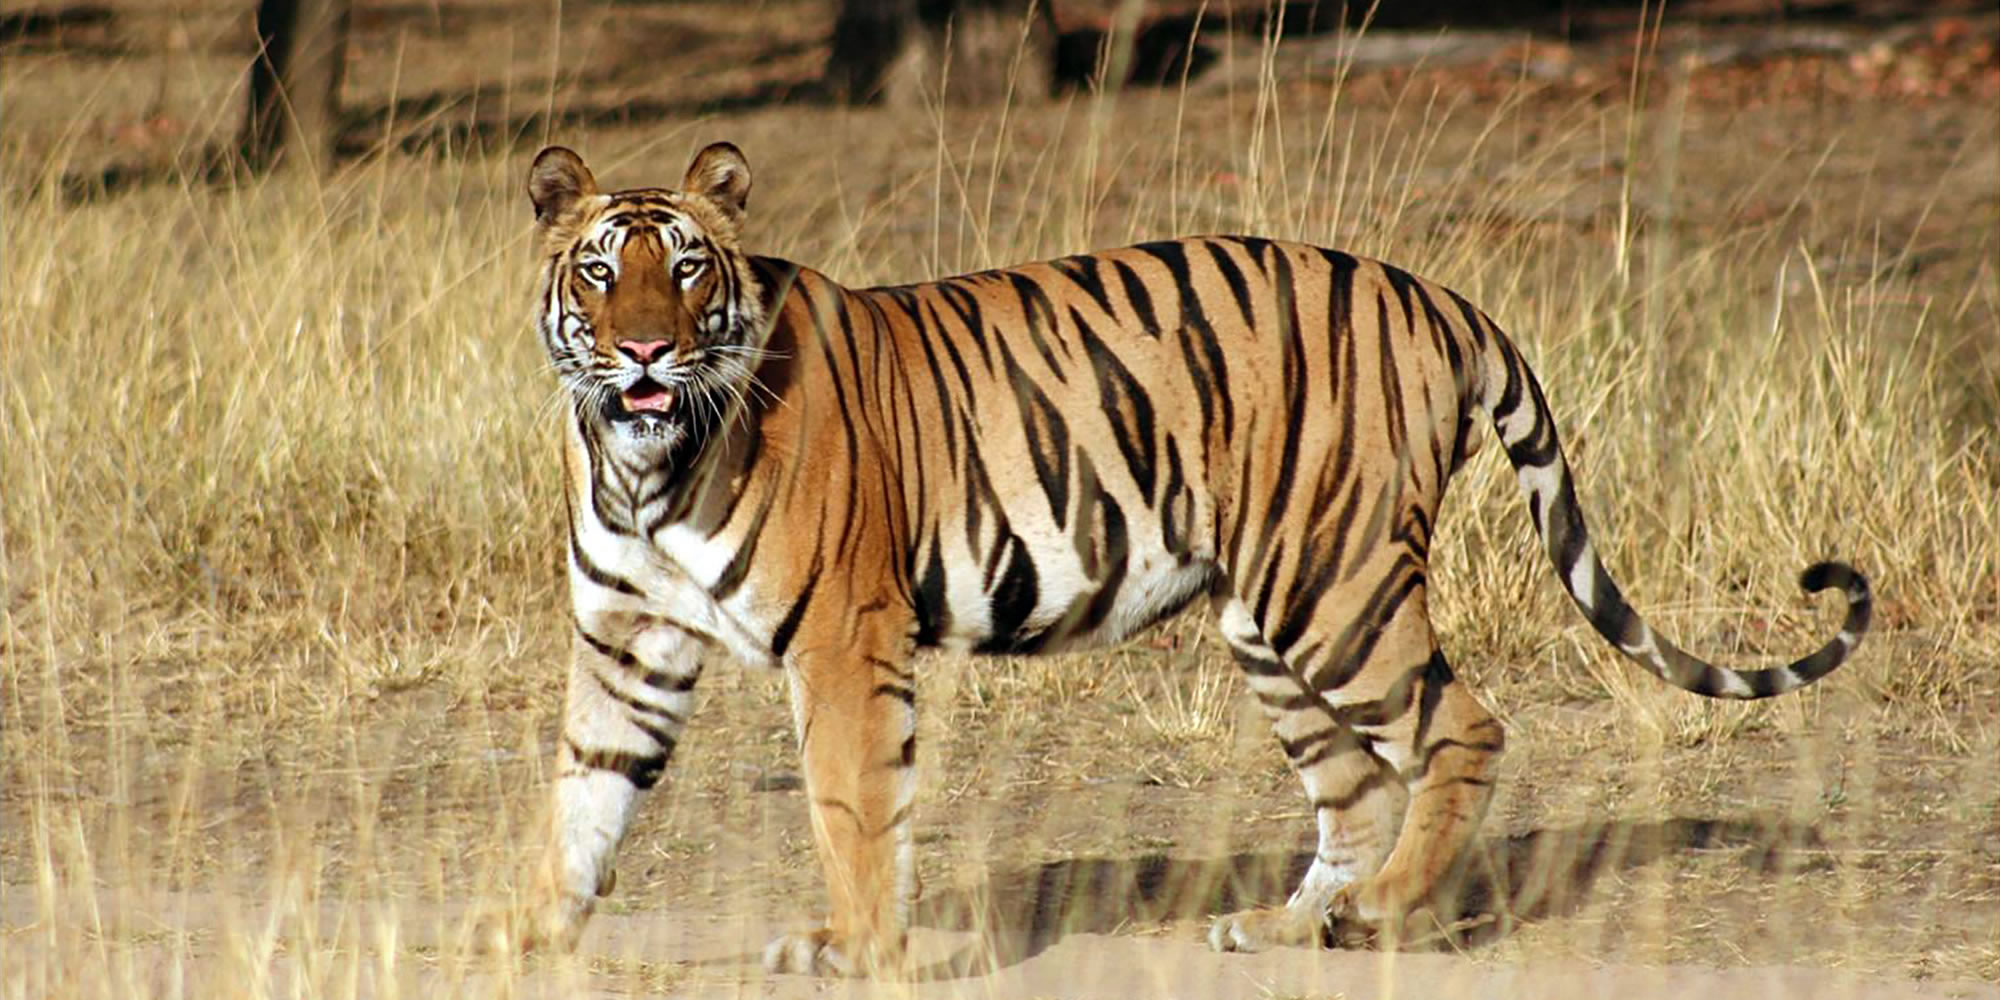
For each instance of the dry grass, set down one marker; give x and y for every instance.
(282, 616)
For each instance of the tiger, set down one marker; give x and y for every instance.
(765, 466)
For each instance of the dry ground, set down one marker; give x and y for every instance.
(283, 618)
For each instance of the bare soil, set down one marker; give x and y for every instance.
(1081, 816)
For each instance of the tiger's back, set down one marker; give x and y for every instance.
(766, 464)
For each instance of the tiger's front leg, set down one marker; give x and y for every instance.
(855, 709)
(631, 693)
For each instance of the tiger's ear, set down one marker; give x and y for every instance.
(556, 182)
(722, 175)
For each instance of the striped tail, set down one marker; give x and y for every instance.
(1520, 414)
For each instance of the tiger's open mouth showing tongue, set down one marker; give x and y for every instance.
(647, 396)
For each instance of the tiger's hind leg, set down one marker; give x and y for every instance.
(1357, 798)
(1442, 742)
(1394, 752)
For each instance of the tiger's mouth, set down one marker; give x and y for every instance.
(647, 396)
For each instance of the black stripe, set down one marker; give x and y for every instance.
(1048, 440)
(642, 770)
(643, 716)
(1267, 588)
(965, 304)
(1609, 613)
(1566, 535)
(980, 498)
(1404, 285)
(1126, 403)
(901, 692)
(1114, 564)
(1040, 314)
(924, 324)
(1436, 676)
(1297, 701)
(594, 573)
(933, 611)
(836, 805)
(1257, 246)
(1257, 666)
(1389, 379)
(1320, 743)
(1368, 782)
(1233, 563)
(1173, 256)
(643, 713)
(1175, 505)
(622, 657)
(1083, 270)
(1439, 323)
(1431, 752)
(782, 638)
(1208, 392)
(1294, 376)
(1139, 297)
(668, 681)
(1476, 323)
(1239, 289)
(604, 480)
(1395, 702)
(1514, 366)
(846, 410)
(1356, 641)
(738, 567)
(1317, 574)
(1013, 601)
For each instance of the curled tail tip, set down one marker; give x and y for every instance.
(1860, 600)
(1703, 678)
(1828, 575)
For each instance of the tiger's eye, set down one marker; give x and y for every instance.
(597, 271)
(687, 267)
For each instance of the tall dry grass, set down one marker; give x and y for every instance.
(282, 615)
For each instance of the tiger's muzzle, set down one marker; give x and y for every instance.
(650, 391)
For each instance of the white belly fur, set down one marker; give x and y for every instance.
(1154, 584)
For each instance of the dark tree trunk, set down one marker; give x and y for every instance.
(901, 52)
(295, 83)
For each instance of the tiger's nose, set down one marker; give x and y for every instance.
(642, 351)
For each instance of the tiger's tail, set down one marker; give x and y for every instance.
(1513, 399)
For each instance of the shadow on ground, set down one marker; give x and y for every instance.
(1503, 883)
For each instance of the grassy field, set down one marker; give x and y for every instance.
(283, 615)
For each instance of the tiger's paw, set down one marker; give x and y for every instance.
(824, 953)
(1262, 929)
(1359, 916)
(553, 925)
(813, 954)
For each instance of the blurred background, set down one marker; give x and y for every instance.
(282, 610)
(342, 79)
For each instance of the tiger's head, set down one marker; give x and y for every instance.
(650, 310)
